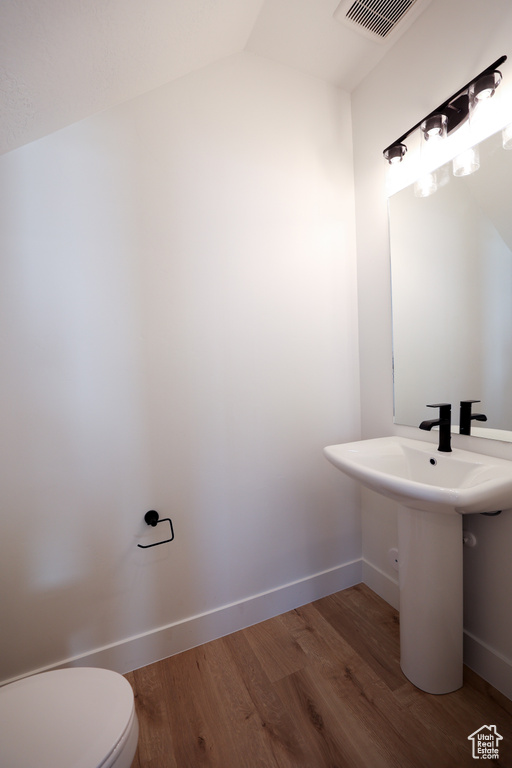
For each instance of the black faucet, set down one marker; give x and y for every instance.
(444, 422)
(466, 416)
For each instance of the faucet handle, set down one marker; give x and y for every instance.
(445, 409)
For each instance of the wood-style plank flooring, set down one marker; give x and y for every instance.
(317, 687)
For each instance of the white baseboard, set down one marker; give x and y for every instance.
(146, 648)
(488, 663)
(384, 586)
(480, 657)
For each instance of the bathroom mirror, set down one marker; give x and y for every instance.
(451, 274)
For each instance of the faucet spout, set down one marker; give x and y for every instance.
(444, 422)
(427, 425)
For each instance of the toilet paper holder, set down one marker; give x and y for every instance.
(153, 518)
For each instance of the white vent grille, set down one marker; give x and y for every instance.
(381, 20)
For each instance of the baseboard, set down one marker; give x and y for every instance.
(146, 648)
(488, 663)
(491, 665)
(382, 584)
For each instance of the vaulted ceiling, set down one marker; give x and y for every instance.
(62, 60)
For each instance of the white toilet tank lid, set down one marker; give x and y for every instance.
(67, 718)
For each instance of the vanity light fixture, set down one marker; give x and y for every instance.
(395, 153)
(452, 113)
(485, 86)
(434, 127)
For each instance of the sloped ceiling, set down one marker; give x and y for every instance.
(62, 60)
(304, 34)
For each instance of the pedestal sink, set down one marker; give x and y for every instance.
(434, 490)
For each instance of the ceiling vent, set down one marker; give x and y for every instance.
(380, 20)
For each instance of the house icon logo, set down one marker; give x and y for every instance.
(485, 743)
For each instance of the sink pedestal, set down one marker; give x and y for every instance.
(430, 579)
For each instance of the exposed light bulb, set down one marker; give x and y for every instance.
(395, 153)
(485, 86)
(434, 127)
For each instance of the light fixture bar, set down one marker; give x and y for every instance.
(456, 108)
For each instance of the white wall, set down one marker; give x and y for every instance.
(178, 314)
(451, 42)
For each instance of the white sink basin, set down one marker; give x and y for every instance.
(425, 482)
(414, 473)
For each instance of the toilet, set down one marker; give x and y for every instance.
(68, 718)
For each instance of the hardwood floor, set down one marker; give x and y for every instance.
(317, 687)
